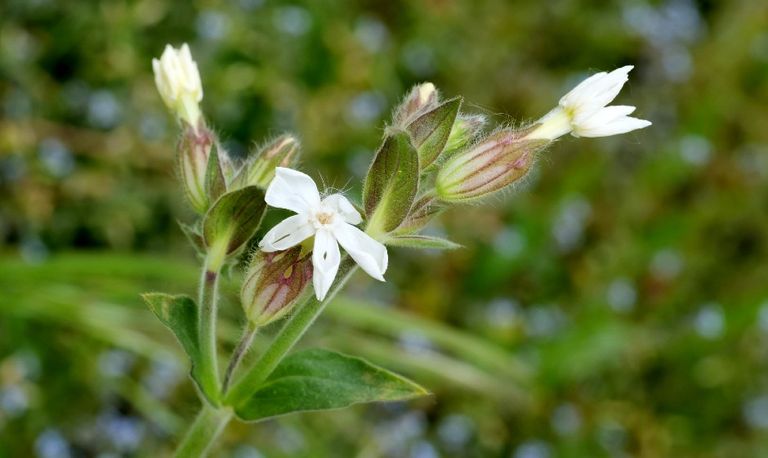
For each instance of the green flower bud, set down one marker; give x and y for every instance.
(274, 283)
(490, 165)
(193, 152)
(204, 167)
(465, 129)
(259, 169)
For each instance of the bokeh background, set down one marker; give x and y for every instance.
(614, 305)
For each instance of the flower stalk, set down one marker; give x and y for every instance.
(238, 354)
(208, 300)
(304, 316)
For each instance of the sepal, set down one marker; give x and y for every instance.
(490, 165)
(431, 130)
(234, 219)
(215, 177)
(392, 183)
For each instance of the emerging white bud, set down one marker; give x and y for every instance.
(427, 92)
(583, 112)
(178, 82)
(422, 98)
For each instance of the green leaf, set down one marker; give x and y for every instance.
(234, 218)
(392, 182)
(180, 314)
(430, 131)
(319, 379)
(422, 241)
(215, 181)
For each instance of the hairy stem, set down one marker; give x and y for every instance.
(208, 299)
(208, 425)
(290, 333)
(211, 422)
(238, 354)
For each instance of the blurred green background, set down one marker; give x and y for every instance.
(615, 305)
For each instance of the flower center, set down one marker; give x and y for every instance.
(324, 217)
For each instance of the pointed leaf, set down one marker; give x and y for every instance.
(430, 131)
(319, 379)
(180, 314)
(422, 241)
(392, 182)
(234, 218)
(215, 181)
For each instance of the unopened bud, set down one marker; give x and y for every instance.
(274, 283)
(204, 167)
(465, 129)
(423, 97)
(178, 82)
(259, 170)
(492, 164)
(194, 151)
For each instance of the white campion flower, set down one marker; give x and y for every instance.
(178, 82)
(583, 112)
(331, 220)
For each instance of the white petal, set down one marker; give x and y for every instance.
(367, 252)
(596, 91)
(290, 232)
(603, 116)
(576, 95)
(292, 190)
(619, 126)
(346, 210)
(325, 260)
(611, 85)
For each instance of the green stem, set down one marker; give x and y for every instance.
(290, 333)
(208, 425)
(209, 298)
(238, 354)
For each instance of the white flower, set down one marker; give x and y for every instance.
(178, 82)
(583, 111)
(331, 220)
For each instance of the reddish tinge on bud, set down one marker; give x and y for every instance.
(194, 151)
(422, 98)
(274, 283)
(490, 165)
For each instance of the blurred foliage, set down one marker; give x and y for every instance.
(615, 305)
